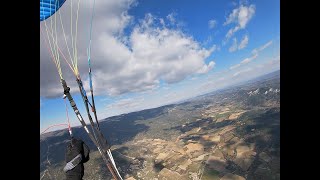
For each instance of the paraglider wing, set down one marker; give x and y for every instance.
(49, 7)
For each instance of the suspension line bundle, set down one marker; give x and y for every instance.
(57, 54)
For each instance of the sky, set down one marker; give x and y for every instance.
(148, 53)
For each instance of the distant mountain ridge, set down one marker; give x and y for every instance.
(269, 76)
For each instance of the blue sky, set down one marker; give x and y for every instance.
(149, 53)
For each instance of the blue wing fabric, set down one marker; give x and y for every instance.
(49, 7)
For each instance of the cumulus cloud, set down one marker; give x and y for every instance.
(212, 23)
(240, 17)
(128, 62)
(206, 68)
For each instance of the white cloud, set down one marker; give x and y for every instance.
(246, 60)
(133, 62)
(255, 54)
(235, 66)
(244, 42)
(272, 64)
(171, 18)
(249, 59)
(206, 68)
(242, 71)
(162, 22)
(214, 81)
(257, 50)
(208, 41)
(240, 17)
(231, 32)
(234, 45)
(110, 18)
(212, 23)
